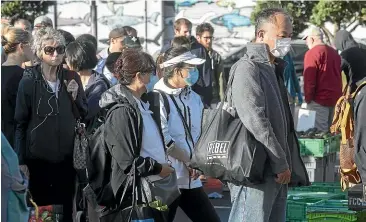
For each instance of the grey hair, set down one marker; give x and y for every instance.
(43, 35)
(268, 15)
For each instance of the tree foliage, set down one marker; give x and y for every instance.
(24, 9)
(341, 13)
(300, 11)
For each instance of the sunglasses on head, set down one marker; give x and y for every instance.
(49, 50)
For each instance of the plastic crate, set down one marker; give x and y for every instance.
(335, 144)
(319, 147)
(315, 168)
(298, 202)
(333, 211)
(334, 187)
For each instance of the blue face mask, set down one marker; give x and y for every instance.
(153, 80)
(192, 77)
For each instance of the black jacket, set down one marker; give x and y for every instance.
(123, 137)
(359, 110)
(203, 87)
(46, 124)
(353, 57)
(10, 78)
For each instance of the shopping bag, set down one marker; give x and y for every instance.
(141, 208)
(226, 150)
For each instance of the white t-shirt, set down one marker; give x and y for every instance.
(152, 145)
(53, 85)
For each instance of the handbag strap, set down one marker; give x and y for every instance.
(186, 127)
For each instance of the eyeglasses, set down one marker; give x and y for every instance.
(49, 50)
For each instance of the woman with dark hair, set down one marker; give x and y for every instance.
(45, 120)
(68, 39)
(131, 133)
(80, 57)
(88, 38)
(181, 112)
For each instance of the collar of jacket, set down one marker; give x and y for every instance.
(259, 52)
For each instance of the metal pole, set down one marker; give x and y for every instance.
(145, 25)
(55, 14)
(93, 15)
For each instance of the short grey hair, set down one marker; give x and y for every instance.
(268, 15)
(45, 34)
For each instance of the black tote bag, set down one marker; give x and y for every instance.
(139, 210)
(226, 150)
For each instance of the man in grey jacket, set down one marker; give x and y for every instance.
(260, 99)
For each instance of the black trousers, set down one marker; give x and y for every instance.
(52, 184)
(196, 205)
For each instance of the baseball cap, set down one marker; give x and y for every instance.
(187, 57)
(43, 20)
(313, 31)
(131, 42)
(117, 33)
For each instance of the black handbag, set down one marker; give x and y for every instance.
(140, 209)
(226, 150)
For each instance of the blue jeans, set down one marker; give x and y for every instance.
(260, 203)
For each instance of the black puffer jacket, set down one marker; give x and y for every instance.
(45, 123)
(353, 57)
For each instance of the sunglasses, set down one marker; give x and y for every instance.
(49, 50)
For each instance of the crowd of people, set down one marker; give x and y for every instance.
(52, 80)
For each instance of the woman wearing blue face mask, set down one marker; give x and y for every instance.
(181, 116)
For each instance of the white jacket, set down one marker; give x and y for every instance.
(191, 107)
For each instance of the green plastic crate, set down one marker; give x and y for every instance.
(319, 147)
(331, 187)
(298, 202)
(335, 143)
(314, 147)
(333, 211)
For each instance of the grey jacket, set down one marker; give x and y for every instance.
(260, 99)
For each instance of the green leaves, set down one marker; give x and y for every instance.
(24, 9)
(341, 13)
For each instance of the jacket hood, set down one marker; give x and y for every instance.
(344, 40)
(104, 53)
(117, 94)
(163, 87)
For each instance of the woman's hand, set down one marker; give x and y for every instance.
(166, 170)
(73, 88)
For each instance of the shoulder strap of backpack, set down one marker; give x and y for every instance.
(166, 102)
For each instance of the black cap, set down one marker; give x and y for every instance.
(131, 42)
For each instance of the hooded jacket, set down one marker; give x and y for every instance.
(123, 137)
(353, 58)
(46, 122)
(191, 107)
(96, 86)
(204, 83)
(260, 98)
(359, 110)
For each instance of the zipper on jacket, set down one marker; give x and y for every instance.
(189, 145)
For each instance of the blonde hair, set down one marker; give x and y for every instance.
(11, 37)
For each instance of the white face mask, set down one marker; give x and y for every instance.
(282, 47)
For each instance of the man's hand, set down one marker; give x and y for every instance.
(166, 170)
(284, 177)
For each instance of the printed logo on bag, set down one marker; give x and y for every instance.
(218, 150)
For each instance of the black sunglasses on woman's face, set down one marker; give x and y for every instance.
(49, 50)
